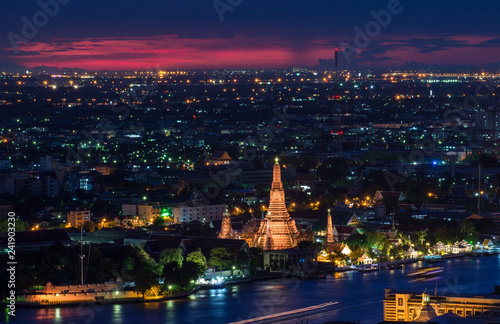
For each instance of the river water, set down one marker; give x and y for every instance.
(359, 295)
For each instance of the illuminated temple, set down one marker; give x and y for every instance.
(226, 231)
(277, 231)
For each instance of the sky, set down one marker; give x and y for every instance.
(207, 34)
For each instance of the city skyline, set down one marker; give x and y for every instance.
(210, 35)
(250, 161)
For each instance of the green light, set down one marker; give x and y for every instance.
(165, 212)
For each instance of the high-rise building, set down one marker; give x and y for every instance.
(487, 119)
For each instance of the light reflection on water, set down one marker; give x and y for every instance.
(117, 314)
(359, 294)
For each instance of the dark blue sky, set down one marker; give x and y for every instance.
(126, 34)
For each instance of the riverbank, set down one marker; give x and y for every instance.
(392, 264)
(103, 301)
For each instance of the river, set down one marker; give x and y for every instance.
(359, 295)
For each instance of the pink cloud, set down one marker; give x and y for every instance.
(168, 51)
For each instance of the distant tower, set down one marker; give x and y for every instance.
(329, 230)
(277, 230)
(226, 230)
(336, 60)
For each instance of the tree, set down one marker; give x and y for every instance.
(221, 257)
(375, 240)
(128, 263)
(419, 237)
(145, 280)
(446, 235)
(356, 254)
(357, 240)
(170, 273)
(159, 221)
(90, 226)
(171, 255)
(190, 272)
(242, 260)
(468, 232)
(197, 257)
(257, 260)
(19, 224)
(143, 260)
(155, 290)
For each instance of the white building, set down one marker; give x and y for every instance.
(185, 213)
(148, 211)
(77, 218)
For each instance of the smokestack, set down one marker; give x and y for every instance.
(336, 59)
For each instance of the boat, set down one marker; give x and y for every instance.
(214, 283)
(433, 258)
(367, 267)
(392, 266)
(477, 253)
(453, 255)
(396, 266)
(290, 315)
(426, 272)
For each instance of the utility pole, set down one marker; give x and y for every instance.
(82, 256)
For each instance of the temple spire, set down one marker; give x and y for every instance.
(277, 230)
(226, 230)
(277, 184)
(329, 229)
